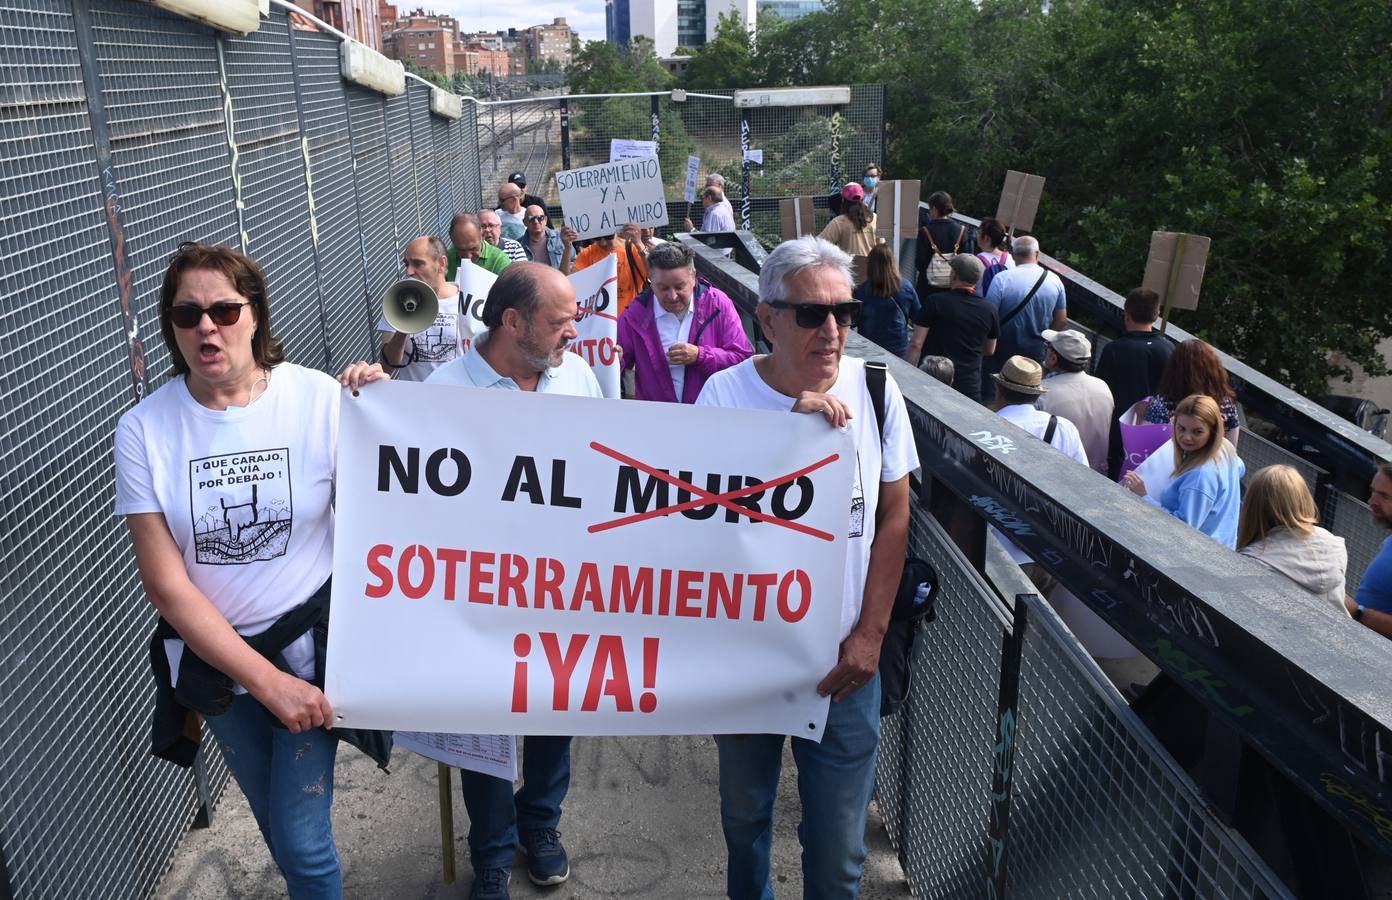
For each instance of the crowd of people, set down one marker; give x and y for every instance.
(241, 638)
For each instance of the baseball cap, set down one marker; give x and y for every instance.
(1070, 344)
(518, 179)
(853, 193)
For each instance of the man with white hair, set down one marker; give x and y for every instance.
(1028, 299)
(806, 310)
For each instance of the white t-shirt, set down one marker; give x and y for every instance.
(430, 349)
(246, 492)
(743, 386)
(673, 329)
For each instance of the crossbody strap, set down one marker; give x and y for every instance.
(1049, 432)
(1028, 297)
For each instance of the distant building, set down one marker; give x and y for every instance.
(356, 18)
(675, 65)
(788, 10)
(476, 59)
(688, 23)
(548, 43)
(616, 22)
(425, 39)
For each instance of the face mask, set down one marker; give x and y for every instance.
(870, 181)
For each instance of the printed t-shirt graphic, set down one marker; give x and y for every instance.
(241, 506)
(427, 350)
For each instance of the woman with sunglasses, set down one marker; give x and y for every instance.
(225, 478)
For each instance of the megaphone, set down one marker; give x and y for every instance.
(410, 306)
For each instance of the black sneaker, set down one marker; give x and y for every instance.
(546, 858)
(491, 884)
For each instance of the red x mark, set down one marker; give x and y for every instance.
(705, 497)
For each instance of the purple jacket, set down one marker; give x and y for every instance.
(716, 330)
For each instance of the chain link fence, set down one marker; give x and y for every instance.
(805, 150)
(124, 131)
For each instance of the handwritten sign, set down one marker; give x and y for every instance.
(693, 172)
(1019, 200)
(623, 148)
(587, 569)
(602, 199)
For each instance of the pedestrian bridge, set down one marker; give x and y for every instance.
(1254, 766)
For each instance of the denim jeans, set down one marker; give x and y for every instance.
(288, 782)
(496, 816)
(835, 780)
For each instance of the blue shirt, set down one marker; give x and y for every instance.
(1208, 498)
(884, 320)
(1021, 334)
(1375, 588)
(572, 377)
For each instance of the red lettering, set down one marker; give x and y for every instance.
(804, 583)
(403, 572)
(606, 352)
(451, 558)
(383, 575)
(609, 657)
(648, 702)
(725, 594)
(512, 581)
(762, 582)
(688, 589)
(562, 667)
(548, 583)
(587, 589)
(664, 600)
(521, 647)
(478, 578)
(626, 593)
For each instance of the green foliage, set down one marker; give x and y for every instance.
(436, 78)
(602, 68)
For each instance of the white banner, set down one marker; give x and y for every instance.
(597, 341)
(624, 148)
(583, 566)
(596, 292)
(602, 199)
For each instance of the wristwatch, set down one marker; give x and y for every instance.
(1358, 612)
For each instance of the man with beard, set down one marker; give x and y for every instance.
(1373, 604)
(530, 314)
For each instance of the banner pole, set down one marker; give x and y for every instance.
(1175, 266)
(442, 777)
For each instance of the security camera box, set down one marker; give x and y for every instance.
(796, 213)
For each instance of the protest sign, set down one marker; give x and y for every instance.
(587, 569)
(473, 282)
(796, 217)
(623, 148)
(1175, 269)
(597, 326)
(896, 210)
(693, 171)
(1019, 200)
(602, 199)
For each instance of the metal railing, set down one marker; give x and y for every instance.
(1264, 668)
(124, 131)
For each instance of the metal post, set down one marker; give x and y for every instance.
(1002, 774)
(111, 195)
(744, 169)
(6, 893)
(442, 778)
(836, 149)
(565, 134)
(656, 112)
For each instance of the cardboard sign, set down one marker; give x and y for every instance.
(623, 148)
(602, 199)
(597, 327)
(896, 210)
(1175, 268)
(693, 172)
(542, 564)
(1019, 200)
(797, 217)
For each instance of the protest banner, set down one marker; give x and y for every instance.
(473, 282)
(693, 171)
(1019, 200)
(587, 569)
(597, 325)
(602, 199)
(624, 148)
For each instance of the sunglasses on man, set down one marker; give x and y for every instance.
(186, 315)
(812, 315)
(533, 218)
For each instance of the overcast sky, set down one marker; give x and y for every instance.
(585, 16)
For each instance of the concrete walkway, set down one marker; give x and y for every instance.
(642, 820)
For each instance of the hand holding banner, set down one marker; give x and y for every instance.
(588, 569)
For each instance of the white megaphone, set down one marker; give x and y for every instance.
(410, 306)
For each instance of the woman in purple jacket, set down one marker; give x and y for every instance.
(679, 331)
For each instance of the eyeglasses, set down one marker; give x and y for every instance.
(187, 315)
(812, 315)
(534, 218)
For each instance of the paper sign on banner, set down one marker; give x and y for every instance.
(623, 148)
(754, 156)
(597, 328)
(693, 171)
(602, 199)
(491, 754)
(589, 569)
(474, 282)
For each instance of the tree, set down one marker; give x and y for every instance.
(726, 59)
(602, 68)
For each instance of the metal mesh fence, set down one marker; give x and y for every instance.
(1098, 809)
(805, 149)
(1353, 521)
(124, 131)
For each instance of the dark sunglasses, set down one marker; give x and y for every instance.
(186, 315)
(534, 219)
(812, 315)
